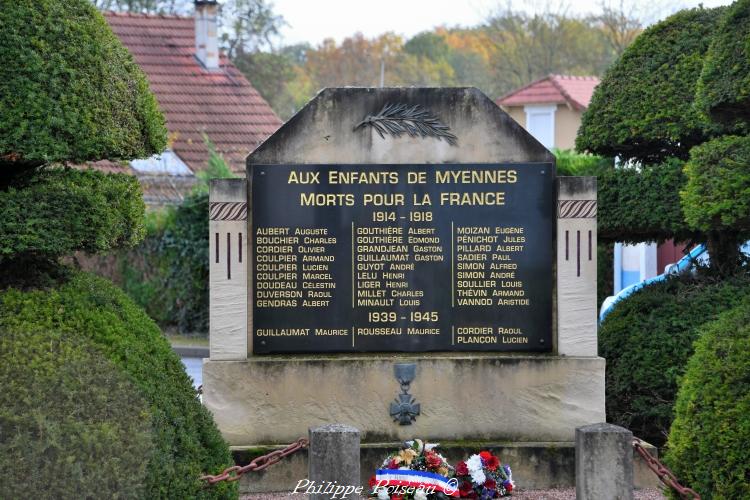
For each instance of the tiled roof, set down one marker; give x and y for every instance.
(560, 89)
(222, 103)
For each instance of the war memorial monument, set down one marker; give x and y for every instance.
(405, 261)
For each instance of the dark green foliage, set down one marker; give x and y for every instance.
(724, 85)
(69, 90)
(56, 212)
(71, 424)
(709, 441)
(643, 108)
(647, 340)
(167, 274)
(605, 279)
(642, 204)
(186, 441)
(185, 245)
(717, 194)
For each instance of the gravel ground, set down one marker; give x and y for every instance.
(554, 494)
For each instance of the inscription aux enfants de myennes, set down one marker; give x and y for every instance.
(367, 258)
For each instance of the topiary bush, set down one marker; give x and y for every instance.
(186, 442)
(708, 443)
(647, 340)
(71, 424)
(643, 108)
(78, 96)
(642, 204)
(55, 212)
(724, 86)
(717, 193)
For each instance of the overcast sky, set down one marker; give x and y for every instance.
(314, 20)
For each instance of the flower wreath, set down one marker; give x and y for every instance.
(482, 476)
(415, 472)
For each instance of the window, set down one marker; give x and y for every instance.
(540, 122)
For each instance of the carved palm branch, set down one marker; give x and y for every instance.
(397, 119)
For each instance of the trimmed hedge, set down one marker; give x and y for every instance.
(717, 194)
(647, 340)
(69, 90)
(71, 424)
(643, 108)
(186, 441)
(56, 212)
(642, 204)
(724, 85)
(708, 443)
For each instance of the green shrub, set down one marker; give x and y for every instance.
(708, 443)
(642, 204)
(71, 424)
(717, 194)
(56, 212)
(185, 245)
(186, 441)
(571, 163)
(724, 85)
(69, 90)
(167, 274)
(647, 340)
(643, 108)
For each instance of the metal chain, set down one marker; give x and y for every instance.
(234, 473)
(665, 475)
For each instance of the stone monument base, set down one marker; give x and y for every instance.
(273, 400)
(536, 465)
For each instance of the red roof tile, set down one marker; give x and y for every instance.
(573, 90)
(222, 104)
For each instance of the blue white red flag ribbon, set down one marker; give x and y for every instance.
(416, 479)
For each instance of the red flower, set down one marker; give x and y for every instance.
(462, 469)
(466, 490)
(373, 482)
(432, 459)
(492, 463)
(392, 464)
(509, 487)
(490, 484)
(397, 497)
(485, 455)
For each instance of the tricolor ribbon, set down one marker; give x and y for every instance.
(416, 479)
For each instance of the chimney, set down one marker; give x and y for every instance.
(206, 36)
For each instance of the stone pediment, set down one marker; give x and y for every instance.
(325, 130)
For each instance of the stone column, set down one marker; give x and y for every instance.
(333, 458)
(604, 462)
(228, 263)
(576, 266)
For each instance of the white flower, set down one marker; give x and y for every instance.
(477, 476)
(474, 463)
(430, 446)
(383, 494)
(419, 494)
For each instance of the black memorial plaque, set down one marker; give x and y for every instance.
(407, 258)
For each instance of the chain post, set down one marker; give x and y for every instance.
(665, 475)
(259, 463)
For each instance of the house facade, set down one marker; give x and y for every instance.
(203, 96)
(551, 108)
